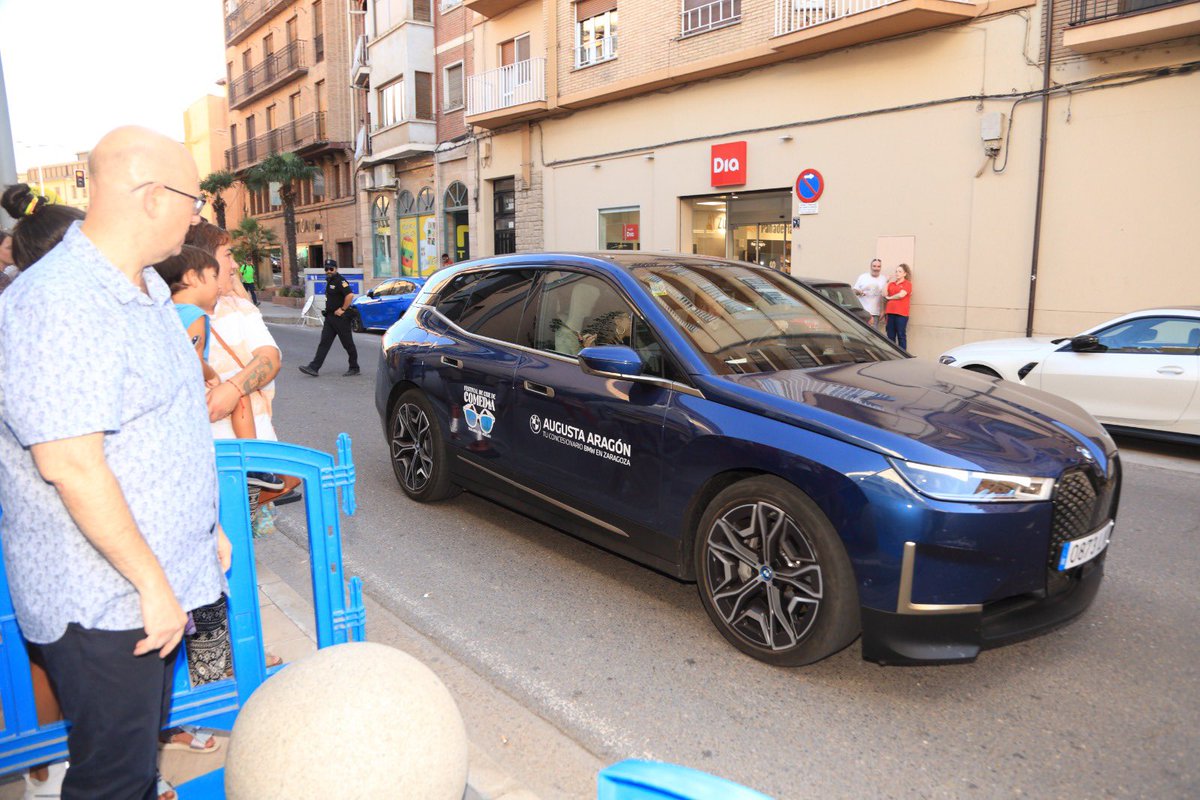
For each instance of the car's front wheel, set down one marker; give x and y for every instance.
(773, 574)
(418, 450)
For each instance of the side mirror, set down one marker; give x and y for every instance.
(610, 361)
(371, 293)
(1087, 344)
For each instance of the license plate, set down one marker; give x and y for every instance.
(1081, 551)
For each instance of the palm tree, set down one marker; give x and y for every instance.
(252, 242)
(213, 185)
(287, 170)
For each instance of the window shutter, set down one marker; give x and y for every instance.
(454, 87)
(424, 89)
(586, 9)
(423, 10)
(507, 51)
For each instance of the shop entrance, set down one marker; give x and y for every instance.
(746, 226)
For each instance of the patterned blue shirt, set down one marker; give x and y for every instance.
(83, 350)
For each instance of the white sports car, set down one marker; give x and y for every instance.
(1138, 374)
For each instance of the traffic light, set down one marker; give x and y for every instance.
(79, 181)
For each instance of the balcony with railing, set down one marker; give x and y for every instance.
(815, 26)
(1098, 25)
(360, 65)
(242, 19)
(290, 137)
(596, 52)
(709, 16)
(500, 96)
(278, 69)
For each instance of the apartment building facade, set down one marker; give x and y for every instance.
(66, 182)
(409, 63)
(206, 136)
(912, 128)
(287, 63)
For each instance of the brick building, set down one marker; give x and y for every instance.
(685, 126)
(287, 65)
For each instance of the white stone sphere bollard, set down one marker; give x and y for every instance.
(354, 720)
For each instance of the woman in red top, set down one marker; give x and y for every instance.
(899, 294)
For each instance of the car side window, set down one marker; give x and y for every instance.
(573, 311)
(454, 298)
(385, 289)
(1155, 335)
(403, 287)
(496, 303)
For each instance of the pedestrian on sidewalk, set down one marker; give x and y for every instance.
(870, 287)
(338, 297)
(248, 281)
(899, 299)
(104, 551)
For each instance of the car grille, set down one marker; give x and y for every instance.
(1083, 501)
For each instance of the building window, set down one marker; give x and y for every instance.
(318, 18)
(423, 10)
(383, 15)
(452, 87)
(291, 26)
(699, 16)
(271, 117)
(595, 32)
(514, 50)
(424, 94)
(620, 228)
(391, 104)
(446, 5)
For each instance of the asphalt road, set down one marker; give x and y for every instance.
(624, 661)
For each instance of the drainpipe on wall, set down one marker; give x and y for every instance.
(1041, 179)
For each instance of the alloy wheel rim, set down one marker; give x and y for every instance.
(763, 576)
(411, 447)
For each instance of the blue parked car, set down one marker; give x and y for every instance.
(386, 303)
(724, 424)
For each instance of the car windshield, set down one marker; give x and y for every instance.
(744, 320)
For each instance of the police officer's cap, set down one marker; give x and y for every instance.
(329, 262)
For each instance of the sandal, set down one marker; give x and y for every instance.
(165, 790)
(270, 659)
(199, 742)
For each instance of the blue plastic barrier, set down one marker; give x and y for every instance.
(23, 743)
(650, 780)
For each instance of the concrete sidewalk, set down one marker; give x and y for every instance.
(289, 631)
(279, 314)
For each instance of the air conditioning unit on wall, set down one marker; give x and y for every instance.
(385, 175)
(368, 178)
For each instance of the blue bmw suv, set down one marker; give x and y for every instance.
(722, 423)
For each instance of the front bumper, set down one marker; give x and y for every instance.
(942, 638)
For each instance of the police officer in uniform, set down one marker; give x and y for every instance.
(337, 321)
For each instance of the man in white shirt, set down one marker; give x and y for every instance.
(870, 288)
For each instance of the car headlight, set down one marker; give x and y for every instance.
(964, 485)
(946, 359)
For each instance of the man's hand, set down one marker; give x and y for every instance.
(338, 312)
(224, 549)
(222, 400)
(163, 620)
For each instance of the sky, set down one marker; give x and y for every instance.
(76, 69)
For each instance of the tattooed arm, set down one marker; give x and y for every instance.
(261, 370)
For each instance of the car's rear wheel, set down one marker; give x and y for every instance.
(773, 574)
(356, 323)
(418, 450)
(991, 373)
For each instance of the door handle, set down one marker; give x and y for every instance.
(452, 362)
(1170, 370)
(537, 388)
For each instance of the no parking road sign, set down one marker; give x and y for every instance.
(809, 186)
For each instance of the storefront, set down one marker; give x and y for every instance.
(746, 226)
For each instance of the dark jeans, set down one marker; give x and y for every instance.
(336, 327)
(117, 703)
(897, 329)
(253, 294)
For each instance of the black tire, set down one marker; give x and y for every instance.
(418, 450)
(991, 373)
(356, 324)
(786, 598)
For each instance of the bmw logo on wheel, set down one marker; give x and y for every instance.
(535, 423)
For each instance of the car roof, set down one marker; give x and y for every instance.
(626, 260)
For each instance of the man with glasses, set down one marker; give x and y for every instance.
(338, 297)
(870, 288)
(107, 468)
